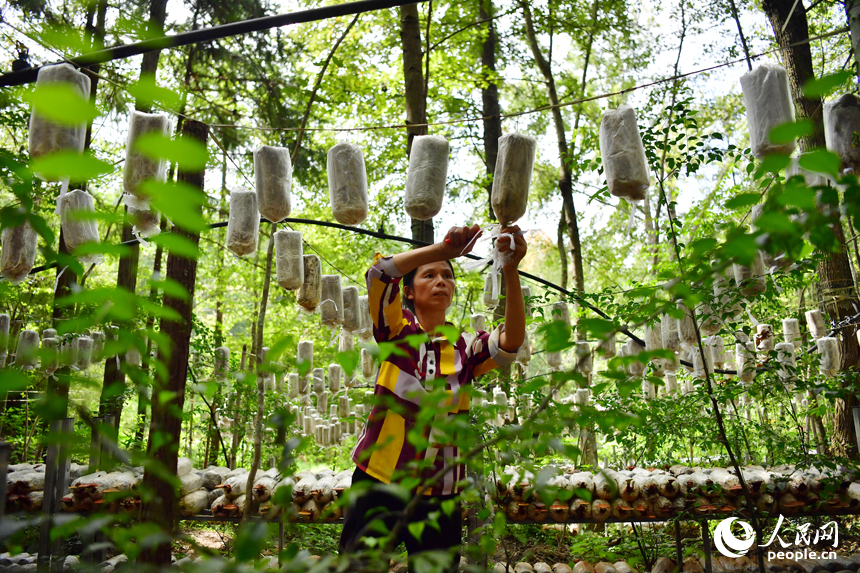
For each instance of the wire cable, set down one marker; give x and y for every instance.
(214, 33)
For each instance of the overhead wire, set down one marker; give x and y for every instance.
(239, 28)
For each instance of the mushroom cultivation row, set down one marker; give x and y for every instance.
(625, 495)
(628, 495)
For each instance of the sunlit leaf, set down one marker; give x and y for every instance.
(797, 195)
(12, 380)
(348, 361)
(743, 200)
(180, 202)
(188, 153)
(61, 103)
(75, 166)
(147, 91)
(820, 87)
(788, 132)
(702, 246)
(171, 287)
(177, 244)
(775, 162)
(101, 249)
(820, 161)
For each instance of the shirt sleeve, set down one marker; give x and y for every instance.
(484, 353)
(383, 288)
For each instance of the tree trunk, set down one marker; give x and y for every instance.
(416, 100)
(562, 249)
(166, 421)
(114, 380)
(798, 62)
(142, 399)
(852, 12)
(490, 100)
(836, 287)
(565, 183)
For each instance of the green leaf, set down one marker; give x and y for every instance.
(798, 195)
(702, 246)
(386, 349)
(188, 153)
(820, 87)
(12, 380)
(149, 92)
(788, 132)
(743, 200)
(178, 201)
(171, 287)
(598, 327)
(775, 162)
(451, 333)
(820, 161)
(772, 222)
(348, 360)
(101, 248)
(741, 248)
(251, 540)
(75, 166)
(557, 335)
(416, 528)
(61, 103)
(177, 244)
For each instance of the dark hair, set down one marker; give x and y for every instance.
(409, 281)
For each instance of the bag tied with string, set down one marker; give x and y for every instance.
(623, 154)
(140, 166)
(46, 136)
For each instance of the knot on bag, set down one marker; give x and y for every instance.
(492, 234)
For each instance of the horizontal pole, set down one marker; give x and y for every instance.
(28, 75)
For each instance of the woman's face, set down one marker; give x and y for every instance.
(433, 287)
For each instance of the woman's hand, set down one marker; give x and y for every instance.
(520, 247)
(459, 241)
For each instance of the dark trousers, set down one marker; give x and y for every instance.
(374, 502)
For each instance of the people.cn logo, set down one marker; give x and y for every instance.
(727, 543)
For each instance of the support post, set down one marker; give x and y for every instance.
(56, 484)
(4, 469)
(280, 540)
(856, 411)
(679, 549)
(706, 541)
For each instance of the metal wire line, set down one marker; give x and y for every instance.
(214, 33)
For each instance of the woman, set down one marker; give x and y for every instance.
(386, 451)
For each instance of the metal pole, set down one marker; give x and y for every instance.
(215, 33)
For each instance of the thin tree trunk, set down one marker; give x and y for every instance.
(490, 100)
(565, 183)
(562, 249)
(166, 421)
(258, 353)
(128, 264)
(416, 102)
(836, 287)
(142, 399)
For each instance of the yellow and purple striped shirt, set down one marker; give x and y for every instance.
(383, 447)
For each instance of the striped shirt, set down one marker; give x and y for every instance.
(384, 446)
